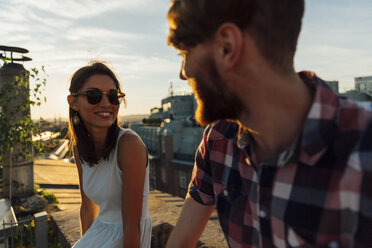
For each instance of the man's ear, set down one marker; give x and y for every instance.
(230, 45)
(72, 102)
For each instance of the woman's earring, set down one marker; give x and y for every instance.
(75, 120)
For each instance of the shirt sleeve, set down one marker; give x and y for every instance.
(201, 185)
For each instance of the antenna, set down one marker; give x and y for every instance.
(170, 90)
(7, 49)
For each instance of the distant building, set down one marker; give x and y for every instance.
(358, 96)
(363, 84)
(172, 144)
(178, 107)
(156, 112)
(362, 91)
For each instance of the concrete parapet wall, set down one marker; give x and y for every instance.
(67, 226)
(164, 212)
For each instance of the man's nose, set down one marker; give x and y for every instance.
(182, 75)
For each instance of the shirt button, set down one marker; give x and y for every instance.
(333, 244)
(225, 192)
(262, 214)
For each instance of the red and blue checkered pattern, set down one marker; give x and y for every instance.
(318, 193)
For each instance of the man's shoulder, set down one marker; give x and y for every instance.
(354, 115)
(355, 133)
(350, 115)
(221, 130)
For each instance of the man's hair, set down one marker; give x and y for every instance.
(273, 24)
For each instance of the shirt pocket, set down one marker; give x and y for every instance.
(232, 200)
(236, 212)
(229, 190)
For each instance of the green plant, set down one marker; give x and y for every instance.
(37, 188)
(16, 98)
(51, 198)
(25, 236)
(53, 239)
(16, 125)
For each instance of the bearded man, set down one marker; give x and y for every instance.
(284, 160)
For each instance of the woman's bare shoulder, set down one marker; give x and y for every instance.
(131, 149)
(130, 138)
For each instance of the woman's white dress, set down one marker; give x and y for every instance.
(102, 183)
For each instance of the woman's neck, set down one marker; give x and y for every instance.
(98, 137)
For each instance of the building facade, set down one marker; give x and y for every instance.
(172, 144)
(363, 84)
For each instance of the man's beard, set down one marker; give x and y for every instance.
(214, 99)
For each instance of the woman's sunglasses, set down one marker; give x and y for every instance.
(94, 96)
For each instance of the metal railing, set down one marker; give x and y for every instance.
(31, 231)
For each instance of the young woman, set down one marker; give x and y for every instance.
(112, 164)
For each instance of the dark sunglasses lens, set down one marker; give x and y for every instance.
(94, 96)
(114, 97)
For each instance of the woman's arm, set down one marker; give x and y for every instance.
(132, 159)
(88, 210)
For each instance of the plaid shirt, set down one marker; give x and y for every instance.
(318, 193)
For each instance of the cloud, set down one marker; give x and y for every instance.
(335, 62)
(335, 40)
(130, 35)
(83, 8)
(98, 35)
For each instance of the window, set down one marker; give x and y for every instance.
(184, 179)
(167, 106)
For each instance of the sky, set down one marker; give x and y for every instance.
(130, 35)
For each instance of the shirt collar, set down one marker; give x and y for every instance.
(321, 123)
(317, 133)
